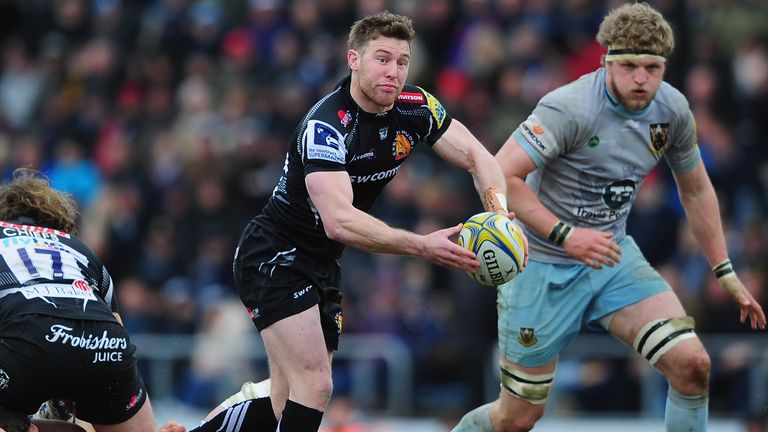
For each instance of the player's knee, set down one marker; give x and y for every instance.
(695, 371)
(321, 387)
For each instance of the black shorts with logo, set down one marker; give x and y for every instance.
(275, 281)
(91, 362)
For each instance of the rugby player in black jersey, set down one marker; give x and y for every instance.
(349, 145)
(60, 330)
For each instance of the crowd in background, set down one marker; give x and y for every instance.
(168, 121)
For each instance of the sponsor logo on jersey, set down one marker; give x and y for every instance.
(619, 193)
(301, 292)
(4, 380)
(77, 290)
(370, 154)
(383, 132)
(63, 335)
(33, 231)
(254, 313)
(324, 142)
(532, 136)
(411, 97)
(401, 146)
(134, 400)
(537, 129)
(527, 337)
(381, 175)
(593, 142)
(345, 117)
(659, 133)
(436, 108)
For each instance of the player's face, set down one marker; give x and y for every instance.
(381, 69)
(634, 83)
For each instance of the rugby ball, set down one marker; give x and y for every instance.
(499, 244)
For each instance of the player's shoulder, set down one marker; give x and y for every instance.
(330, 108)
(672, 99)
(579, 98)
(413, 95)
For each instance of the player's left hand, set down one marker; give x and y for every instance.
(749, 306)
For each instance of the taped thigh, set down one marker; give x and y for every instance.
(659, 336)
(534, 388)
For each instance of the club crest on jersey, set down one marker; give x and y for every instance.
(659, 133)
(527, 337)
(436, 108)
(401, 146)
(339, 318)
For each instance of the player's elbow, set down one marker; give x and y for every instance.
(335, 230)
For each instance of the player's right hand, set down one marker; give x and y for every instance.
(438, 248)
(593, 248)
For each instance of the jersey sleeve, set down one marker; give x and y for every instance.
(438, 117)
(543, 135)
(683, 154)
(323, 147)
(107, 290)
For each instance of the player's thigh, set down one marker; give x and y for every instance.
(684, 360)
(142, 421)
(626, 323)
(296, 344)
(541, 311)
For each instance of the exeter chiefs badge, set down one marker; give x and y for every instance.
(527, 338)
(659, 133)
(339, 318)
(402, 145)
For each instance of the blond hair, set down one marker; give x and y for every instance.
(382, 24)
(29, 194)
(636, 27)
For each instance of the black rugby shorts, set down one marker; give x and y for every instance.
(91, 362)
(276, 281)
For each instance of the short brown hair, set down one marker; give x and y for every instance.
(382, 24)
(637, 26)
(29, 194)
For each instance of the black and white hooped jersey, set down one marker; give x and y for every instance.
(46, 271)
(337, 135)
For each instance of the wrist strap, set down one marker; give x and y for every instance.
(494, 201)
(560, 233)
(722, 269)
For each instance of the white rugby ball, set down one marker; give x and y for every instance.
(499, 244)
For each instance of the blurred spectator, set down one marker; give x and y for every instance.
(168, 119)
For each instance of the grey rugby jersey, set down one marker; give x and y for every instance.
(592, 154)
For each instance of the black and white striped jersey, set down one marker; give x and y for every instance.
(46, 271)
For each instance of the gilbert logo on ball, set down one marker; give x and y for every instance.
(499, 244)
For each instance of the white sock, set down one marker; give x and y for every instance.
(686, 413)
(477, 420)
(248, 390)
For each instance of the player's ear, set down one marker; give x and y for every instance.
(353, 59)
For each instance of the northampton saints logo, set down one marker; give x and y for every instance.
(659, 132)
(527, 338)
